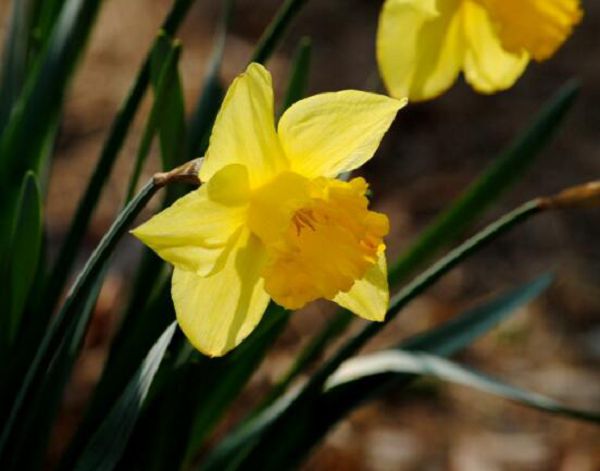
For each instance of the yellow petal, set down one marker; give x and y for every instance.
(219, 311)
(539, 27)
(331, 133)
(419, 47)
(244, 131)
(369, 297)
(193, 232)
(488, 66)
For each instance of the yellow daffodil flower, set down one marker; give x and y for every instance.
(423, 45)
(270, 220)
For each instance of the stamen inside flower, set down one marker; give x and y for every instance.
(319, 235)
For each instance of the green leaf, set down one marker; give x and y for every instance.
(63, 326)
(125, 356)
(284, 432)
(35, 114)
(276, 30)
(298, 79)
(505, 170)
(24, 256)
(193, 395)
(167, 82)
(108, 443)
(108, 156)
(212, 95)
(399, 362)
(233, 374)
(171, 120)
(30, 435)
(14, 63)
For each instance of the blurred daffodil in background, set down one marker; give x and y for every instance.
(423, 45)
(271, 221)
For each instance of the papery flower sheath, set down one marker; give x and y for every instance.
(423, 45)
(271, 221)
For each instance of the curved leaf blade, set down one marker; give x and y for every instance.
(106, 446)
(423, 364)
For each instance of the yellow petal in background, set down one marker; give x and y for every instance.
(193, 232)
(244, 131)
(331, 133)
(219, 311)
(539, 27)
(369, 297)
(488, 66)
(419, 47)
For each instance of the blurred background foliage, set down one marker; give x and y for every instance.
(434, 151)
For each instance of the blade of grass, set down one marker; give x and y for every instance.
(14, 60)
(106, 447)
(505, 170)
(171, 125)
(67, 315)
(22, 266)
(192, 398)
(167, 81)
(30, 435)
(399, 362)
(276, 30)
(24, 137)
(298, 79)
(213, 93)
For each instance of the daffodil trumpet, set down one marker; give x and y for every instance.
(271, 220)
(423, 45)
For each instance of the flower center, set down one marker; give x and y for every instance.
(319, 235)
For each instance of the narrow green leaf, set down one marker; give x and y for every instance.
(29, 437)
(24, 254)
(108, 443)
(191, 395)
(36, 112)
(233, 374)
(298, 79)
(171, 121)
(167, 81)
(297, 421)
(125, 356)
(213, 93)
(505, 170)
(44, 17)
(399, 362)
(276, 29)
(63, 322)
(509, 166)
(108, 156)
(14, 60)
(460, 332)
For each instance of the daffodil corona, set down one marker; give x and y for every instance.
(271, 221)
(423, 45)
